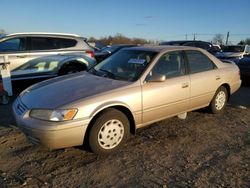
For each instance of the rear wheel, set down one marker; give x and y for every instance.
(219, 100)
(108, 132)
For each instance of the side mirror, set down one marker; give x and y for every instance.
(156, 78)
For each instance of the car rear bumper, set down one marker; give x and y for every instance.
(235, 86)
(53, 135)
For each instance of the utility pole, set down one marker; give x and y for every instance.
(227, 37)
(194, 36)
(186, 36)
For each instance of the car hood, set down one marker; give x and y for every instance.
(63, 90)
(230, 54)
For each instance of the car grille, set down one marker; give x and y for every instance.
(33, 140)
(20, 107)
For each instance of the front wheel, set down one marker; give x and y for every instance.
(219, 100)
(108, 132)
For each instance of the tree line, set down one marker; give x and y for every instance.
(122, 39)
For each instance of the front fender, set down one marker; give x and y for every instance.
(108, 105)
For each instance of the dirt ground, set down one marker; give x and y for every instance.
(204, 150)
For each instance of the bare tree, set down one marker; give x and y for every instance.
(92, 39)
(246, 41)
(120, 39)
(218, 39)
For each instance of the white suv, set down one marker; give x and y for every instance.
(22, 47)
(233, 52)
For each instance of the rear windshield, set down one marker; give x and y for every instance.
(233, 48)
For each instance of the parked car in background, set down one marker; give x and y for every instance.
(217, 48)
(244, 66)
(194, 43)
(23, 47)
(96, 46)
(233, 52)
(136, 87)
(51, 66)
(110, 50)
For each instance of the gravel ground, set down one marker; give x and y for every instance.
(204, 150)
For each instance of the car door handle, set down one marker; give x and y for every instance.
(21, 56)
(217, 78)
(185, 85)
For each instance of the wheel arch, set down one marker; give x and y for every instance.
(124, 109)
(227, 86)
(118, 106)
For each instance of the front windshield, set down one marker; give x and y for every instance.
(233, 48)
(110, 49)
(127, 65)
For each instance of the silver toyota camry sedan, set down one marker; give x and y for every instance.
(131, 89)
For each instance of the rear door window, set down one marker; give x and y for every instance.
(48, 43)
(203, 45)
(198, 62)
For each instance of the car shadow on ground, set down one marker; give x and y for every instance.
(241, 98)
(6, 116)
(204, 149)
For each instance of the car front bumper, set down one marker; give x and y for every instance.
(53, 135)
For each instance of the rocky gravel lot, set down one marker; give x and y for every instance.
(204, 150)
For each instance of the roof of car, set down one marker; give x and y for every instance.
(235, 45)
(161, 48)
(182, 41)
(123, 45)
(42, 33)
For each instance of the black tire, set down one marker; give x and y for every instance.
(116, 120)
(216, 106)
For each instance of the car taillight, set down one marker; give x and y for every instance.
(90, 53)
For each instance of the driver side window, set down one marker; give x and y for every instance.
(170, 64)
(13, 45)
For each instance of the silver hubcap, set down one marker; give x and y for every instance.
(220, 100)
(111, 134)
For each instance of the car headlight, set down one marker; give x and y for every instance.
(53, 115)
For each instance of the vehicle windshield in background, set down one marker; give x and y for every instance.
(2, 36)
(233, 48)
(110, 49)
(125, 65)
